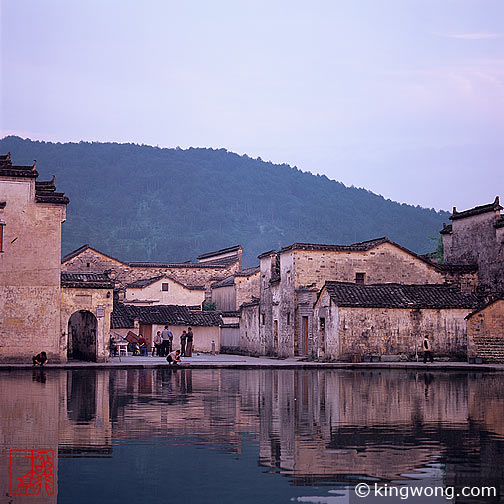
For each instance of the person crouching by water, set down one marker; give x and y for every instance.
(189, 339)
(173, 358)
(40, 359)
(183, 338)
(427, 350)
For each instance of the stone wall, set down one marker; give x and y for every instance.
(125, 274)
(485, 333)
(246, 288)
(354, 332)
(384, 263)
(250, 340)
(29, 273)
(476, 240)
(224, 298)
(267, 266)
(73, 300)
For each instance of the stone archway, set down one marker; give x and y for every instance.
(82, 328)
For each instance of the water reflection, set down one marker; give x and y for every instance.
(313, 427)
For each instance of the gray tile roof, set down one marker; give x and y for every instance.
(398, 296)
(86, 280)
(226, 282)
(246, 272)
(140, 284)
(123, 316)
(234, 248)
(45, 191)
(490, 207)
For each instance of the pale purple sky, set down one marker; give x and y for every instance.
(402, 97)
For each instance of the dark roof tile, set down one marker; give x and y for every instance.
(86, 280)
(227, 250)
(490, 207)
(248, 271)
(226, 282)
(123, 316)
(398, 296)
(140, 284)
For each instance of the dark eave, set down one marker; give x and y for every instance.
(399, 296)
(79, 280)
(227, 250)
(491, 207)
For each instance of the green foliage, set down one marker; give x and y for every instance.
(212, 306)
(438, 254)
(137, 202)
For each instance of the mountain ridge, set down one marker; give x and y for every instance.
(140, 202)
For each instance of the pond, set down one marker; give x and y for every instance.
(250, 436)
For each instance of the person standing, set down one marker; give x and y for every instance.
(189, 342)
(427, 350)
(183, 338)
(167, 339)
(158, 343)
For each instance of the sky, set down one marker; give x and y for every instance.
(402, 97)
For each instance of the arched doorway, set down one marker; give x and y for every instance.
(82, 336)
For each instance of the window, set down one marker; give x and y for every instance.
(262, 318)
(2, 224)
(164, 286)
(322, 333)
(288, 318)
(88, 265)
(359, 278)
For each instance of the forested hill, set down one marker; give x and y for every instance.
(137, 202)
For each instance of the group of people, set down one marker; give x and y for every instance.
(163, 343)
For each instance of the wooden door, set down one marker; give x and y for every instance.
(305, 335)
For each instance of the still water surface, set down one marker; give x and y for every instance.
(254, 436)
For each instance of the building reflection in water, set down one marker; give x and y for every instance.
(315, 426)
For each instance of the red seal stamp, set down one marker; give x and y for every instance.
(31, 471)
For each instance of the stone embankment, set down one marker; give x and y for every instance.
(205, 361)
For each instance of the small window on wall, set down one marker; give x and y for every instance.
(164, 287)
(359, 278)
(262, 318)
(288, 318)
(2, 225)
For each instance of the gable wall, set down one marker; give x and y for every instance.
(126, 274)
(475, 240)
(29, 273)
(175, 295)
(385, 263)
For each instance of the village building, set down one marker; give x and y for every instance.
(291, 278)
(86, 307)
(31, 214)
(164, 290)
(228, 295)
(210, 267)
(476, 236)
(147, 320)
(355, 321)
(485, 332)
(231, 292)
